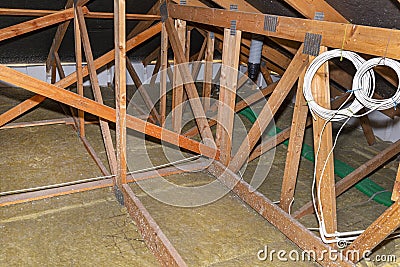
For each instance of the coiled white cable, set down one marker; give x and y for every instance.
(365, 97)
(367, 83)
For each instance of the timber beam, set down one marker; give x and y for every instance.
(357, 38)
(61, 95)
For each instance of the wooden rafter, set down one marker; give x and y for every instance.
(88, 15)
(294, 149)
(35, 24)
(61, 95)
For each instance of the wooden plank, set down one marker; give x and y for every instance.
(208, 71)
(396, 187)
(36, 24)
(34, 123)
(190, 87)
(79, 76)
(88, 15)
(386, 224)
(357, 175)
(163, 75)
(72, 78)
(358, 38)
(105, 15)
(294, 149)
(283, 88)
(177, 83)
(187, 43)
(55, 192)
(25, 12)
(146, 97)
(323, 144)
(265, 73)
(308, 9)
(105, 128)
(227, 94)
(120, 89)
(56, 93)
(295, 231)
(367, 129)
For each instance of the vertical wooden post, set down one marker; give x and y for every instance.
(105, 128)
(188, 40)
(178, 93)
(325, 179)
(227, 95)
(208, 71)
(53, 73)
(294, 149)
(120, 88)
(163, 78)
(79, 82)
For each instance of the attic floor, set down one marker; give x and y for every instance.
(90, 228)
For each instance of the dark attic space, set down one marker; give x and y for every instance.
(200, 133)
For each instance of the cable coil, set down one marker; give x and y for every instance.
(366, 83)
(365, 97)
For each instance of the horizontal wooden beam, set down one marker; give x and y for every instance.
(105, 15)
(362, 39)
(36, 24)
(66, 97)
(89, 15)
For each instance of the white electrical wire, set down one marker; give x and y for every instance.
(367, 83)
(365, 97)
(326, 237)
